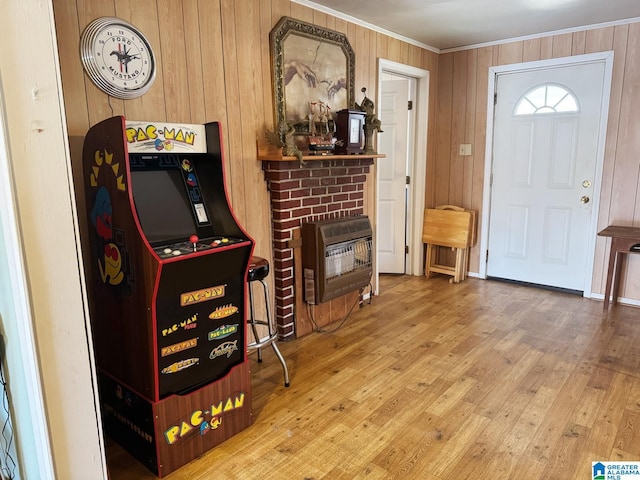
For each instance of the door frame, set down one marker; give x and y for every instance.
(19, 353)
(494, 72)
(417, 164)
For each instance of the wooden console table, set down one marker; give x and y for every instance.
(623, 240)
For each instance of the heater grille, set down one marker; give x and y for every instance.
(336, 257)
(343, 258)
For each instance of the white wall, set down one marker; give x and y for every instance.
(38, 154)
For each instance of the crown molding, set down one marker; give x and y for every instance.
(370, 26)
(362, 23)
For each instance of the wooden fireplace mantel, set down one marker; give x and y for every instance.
(306, 158)
(268, 153)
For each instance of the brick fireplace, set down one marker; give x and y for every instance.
(301, 192)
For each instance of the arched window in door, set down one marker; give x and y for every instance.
(547, 98)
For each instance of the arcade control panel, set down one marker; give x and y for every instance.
(193, 245)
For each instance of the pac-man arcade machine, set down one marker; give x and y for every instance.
(167, 290)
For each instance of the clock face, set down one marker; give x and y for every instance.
(117, 57)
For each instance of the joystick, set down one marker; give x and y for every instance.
(194, 240)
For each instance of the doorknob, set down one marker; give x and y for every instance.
(584, 199)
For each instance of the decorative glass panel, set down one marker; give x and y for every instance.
(548, 98)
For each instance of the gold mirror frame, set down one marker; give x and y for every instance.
(323, 62)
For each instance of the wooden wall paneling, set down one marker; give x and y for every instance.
(599, 40)
(261, 231)
(456, 161)
(634, 54)
(578, 42)
(394, 50)
(370, 205)
(632, 145)
(618, 42)
(250, 74)
(468, 163)
(301, 12)
(267, 21)
(430, 60)
(253, 113)
(234, 115)
(356, 38)
(321, 314)
(415, 56)
(546, 48)
(191, 19)
(382, 46)
(531, 50)
(443, 129)
(562, 45)
(352, 36)
(370, 67)
(279, 9)
(484, 61)
(341, 25)
(151, 106)
(458, 129)
(510, 53)
(622, 200)
(373, 55)
(174, 58)
(404, 53)
(331, 22)
(213, 69)
(320, 19)
(624, 185)
(369, 71)
(73, 85)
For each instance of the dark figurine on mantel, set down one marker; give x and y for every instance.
(284, 138)
(371, 122)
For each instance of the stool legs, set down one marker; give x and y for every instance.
(272, 334)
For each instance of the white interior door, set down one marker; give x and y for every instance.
(392, 174)
(546, 133)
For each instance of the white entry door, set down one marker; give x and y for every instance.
(392, 174)
(546, 132)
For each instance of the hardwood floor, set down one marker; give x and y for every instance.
(433, 380)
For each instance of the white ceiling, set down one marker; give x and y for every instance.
(448, 24)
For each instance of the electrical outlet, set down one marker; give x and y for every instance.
(465, 149)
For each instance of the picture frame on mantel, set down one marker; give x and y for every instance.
(313, 75)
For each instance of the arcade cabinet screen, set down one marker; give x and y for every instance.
(163, 206)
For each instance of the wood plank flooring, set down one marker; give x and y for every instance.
(432, 380)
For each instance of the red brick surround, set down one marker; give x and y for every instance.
(315, 190)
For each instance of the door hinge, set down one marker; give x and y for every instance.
(410, 105)
(406, 249)
(408, 180)
(486, 259)
(495, 98)
(491, 179)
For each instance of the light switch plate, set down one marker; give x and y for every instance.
(465, 149)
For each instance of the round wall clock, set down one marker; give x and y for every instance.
(117, 57)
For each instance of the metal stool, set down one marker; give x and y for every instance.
(258, 271)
